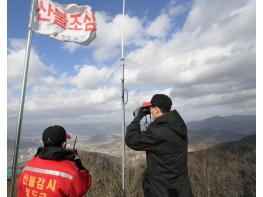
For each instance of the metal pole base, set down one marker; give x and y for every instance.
(121, 194)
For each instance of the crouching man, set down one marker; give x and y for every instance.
(54, 171)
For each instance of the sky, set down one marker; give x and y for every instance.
(201, 54)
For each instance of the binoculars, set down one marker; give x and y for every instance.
(146, 110)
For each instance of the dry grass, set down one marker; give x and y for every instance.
(212, 174)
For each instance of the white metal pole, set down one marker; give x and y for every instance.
(22, 101)
(123, 103)
(123, 131)
(122, 32)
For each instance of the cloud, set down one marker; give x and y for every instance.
(225, 21)
(90, 77)
(16, 59)
(216, 12)
(109, 31)
(207, 66)
(208, 59)
(56, 97)
(159, 27)
(71, 46)
(108, 43)
(173, 9)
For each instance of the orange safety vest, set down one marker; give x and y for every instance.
(49, 178)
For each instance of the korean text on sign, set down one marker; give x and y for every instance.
(68, 22)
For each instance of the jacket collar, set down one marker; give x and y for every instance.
(55, 153)
(174, 121)
(168, 117)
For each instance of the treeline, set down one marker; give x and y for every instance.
(222, 171)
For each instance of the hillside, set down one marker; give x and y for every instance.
(105, 171)
(106, 175)
(226, 170)
(241, 147)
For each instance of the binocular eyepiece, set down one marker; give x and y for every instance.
(145, 110)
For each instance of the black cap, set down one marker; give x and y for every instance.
(54, 135)
(162, 101)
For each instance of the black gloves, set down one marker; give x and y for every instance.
(78, 161)
(79, 164)
(139, 113)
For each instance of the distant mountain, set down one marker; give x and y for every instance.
(103, 138)
(209, 132)
(203, 139)
(201, 134)
(236, 124)
(23, 143)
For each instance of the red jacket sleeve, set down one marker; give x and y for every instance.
(80, 184)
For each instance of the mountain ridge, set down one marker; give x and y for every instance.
(245, 124)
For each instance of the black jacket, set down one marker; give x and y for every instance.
(165, 142)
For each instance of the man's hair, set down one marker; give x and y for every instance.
(165, 110)
(162, 101)
(52, 145)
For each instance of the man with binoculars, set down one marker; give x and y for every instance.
(165, 142)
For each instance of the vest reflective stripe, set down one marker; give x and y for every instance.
(50, 172)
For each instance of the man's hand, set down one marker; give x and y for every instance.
(76, 157)
(79, 163)
(139, 113)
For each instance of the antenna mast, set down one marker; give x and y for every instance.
(123, 102)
